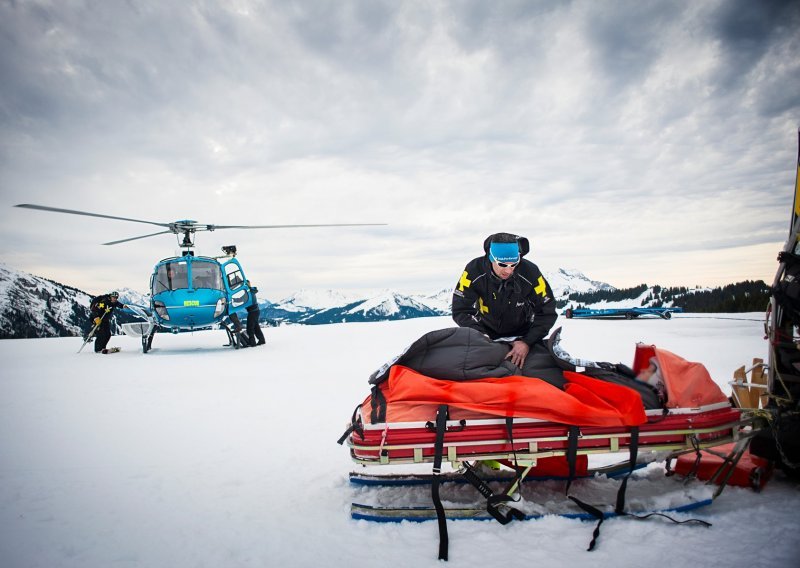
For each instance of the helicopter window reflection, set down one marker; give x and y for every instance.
(177, 276)
(170, 277)
(174, 276)
(235, 278)
(206, 275)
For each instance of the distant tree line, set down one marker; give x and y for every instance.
(618, 295)
(747, 296)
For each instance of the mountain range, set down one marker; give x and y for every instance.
(32, 306)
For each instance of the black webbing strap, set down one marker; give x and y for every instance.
(478, 483)
(572, 453)
(619, 509)
(441, 426)
(677, 522)
(493, 501)
(572, 456)
(355, 425)
(510, 432)
(493, 507)
(378, 404)
(596, 513)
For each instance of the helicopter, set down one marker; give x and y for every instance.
(191, 292)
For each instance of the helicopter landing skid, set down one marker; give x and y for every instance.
(147, 341)
(236, 335)
(235, 339)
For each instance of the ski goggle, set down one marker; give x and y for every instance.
(507, 264)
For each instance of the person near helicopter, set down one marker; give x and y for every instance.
(506, 297)
(101, 310)
(254, 334)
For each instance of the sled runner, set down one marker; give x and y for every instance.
(528, 424)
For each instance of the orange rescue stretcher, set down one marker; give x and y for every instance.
(527, 424)
(523, 420)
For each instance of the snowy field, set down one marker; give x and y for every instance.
(196, 455)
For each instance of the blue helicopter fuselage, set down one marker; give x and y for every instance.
(196, 292)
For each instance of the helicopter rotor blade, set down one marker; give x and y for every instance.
(137, 238)
(74, 212)
(294, 226)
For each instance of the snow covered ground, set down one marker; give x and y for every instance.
(196, 455)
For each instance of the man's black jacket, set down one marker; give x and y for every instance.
(101, 303)
(523, 305)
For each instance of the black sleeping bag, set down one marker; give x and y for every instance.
(462, 354)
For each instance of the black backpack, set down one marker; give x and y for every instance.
(787, 291)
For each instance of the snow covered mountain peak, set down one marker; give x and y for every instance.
(566, 281)
(305, 299)
(32, 306)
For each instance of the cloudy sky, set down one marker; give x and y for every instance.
(636, 141)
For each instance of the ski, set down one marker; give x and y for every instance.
(393, 480)
(381, 514)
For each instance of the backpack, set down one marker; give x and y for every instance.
(787, 291)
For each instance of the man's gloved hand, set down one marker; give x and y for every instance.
(97, 321)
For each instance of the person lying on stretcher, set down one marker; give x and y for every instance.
(652, 376)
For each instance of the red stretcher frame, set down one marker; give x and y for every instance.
(679, 430)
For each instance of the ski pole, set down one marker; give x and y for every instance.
(91, 333)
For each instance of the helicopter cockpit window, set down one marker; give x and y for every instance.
(206, 275)
(170, 277)
(234, 275)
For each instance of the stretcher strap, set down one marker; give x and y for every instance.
(493, 507)
(634, 454)
(572, 455)
(620, 507)
(493, 501)
(378, 404)
(596, 513)
(510, 432)
(355, 425)
(478, 483)
(441, 426)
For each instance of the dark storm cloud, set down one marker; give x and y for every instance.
(626, 38)
(748, 33)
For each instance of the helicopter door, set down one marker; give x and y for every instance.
(236, 284)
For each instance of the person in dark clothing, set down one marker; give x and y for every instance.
(503, 295)
(254, 333)
(101, 310)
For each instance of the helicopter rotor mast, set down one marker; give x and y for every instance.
(185, 227)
